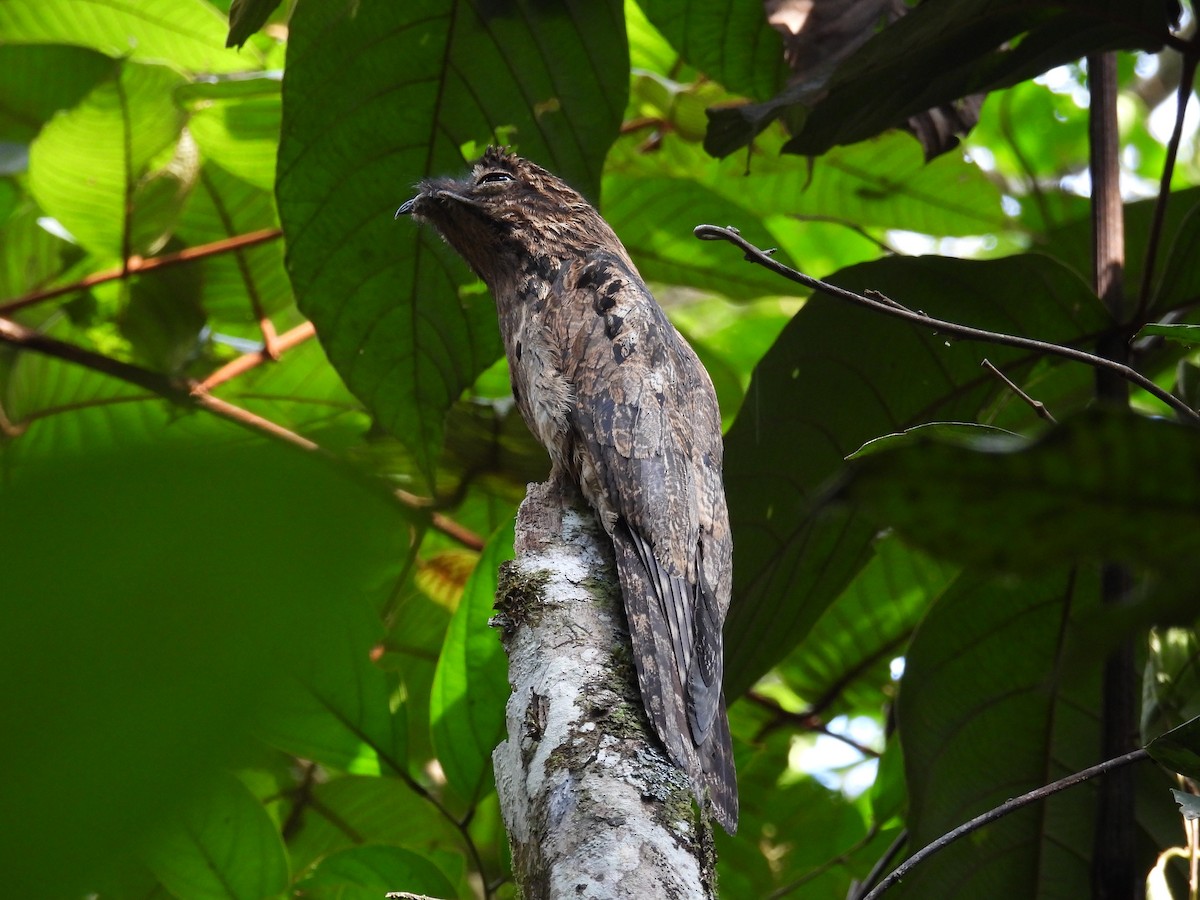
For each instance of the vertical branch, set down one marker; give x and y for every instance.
(1114, 874)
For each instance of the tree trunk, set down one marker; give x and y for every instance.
(593, 806)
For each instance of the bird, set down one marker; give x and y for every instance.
(628, 414)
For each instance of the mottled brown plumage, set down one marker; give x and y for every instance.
(627, 412)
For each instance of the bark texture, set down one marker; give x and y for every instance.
(594, 807)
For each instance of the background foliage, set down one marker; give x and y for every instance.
(249, 572)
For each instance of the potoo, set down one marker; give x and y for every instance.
(627, 413)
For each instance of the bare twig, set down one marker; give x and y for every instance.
(962, 332)
(135, 264)
(1000, 811)
(1038, 406)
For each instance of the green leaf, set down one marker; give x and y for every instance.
(30, 256)
(1184, 334)
(881, 183)
(172, 661)
(471, 684)
(36, 82)
(339, 712)
(367, 873)
(637, 209)
(843, 664)
(226, 847)
(163, 319)
(985, 713)
(729, 41)
(357, 809)
(1100, 486)
(238, 285)
(1179, 749)
(188, 34)
(239, 129)
(85, 161)
(385, 295)
(845, 375)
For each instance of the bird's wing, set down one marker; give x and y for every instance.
(647, 432)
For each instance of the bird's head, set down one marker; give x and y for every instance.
(507, 210)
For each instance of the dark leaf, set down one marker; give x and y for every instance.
(246, 17)
(985, 714)
(1099, 486)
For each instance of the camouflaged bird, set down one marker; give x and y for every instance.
(628, 413)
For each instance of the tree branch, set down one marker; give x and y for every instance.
(999, 812)
(136, 264)
(1114, 869)
(962, 332)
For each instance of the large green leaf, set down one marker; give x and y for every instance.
(839, 376)
(187, 34)
(86, 163)
(986, 713)
(225, 847)
(1100, 486)
(471, 684)
(162, 638)
(427, 79)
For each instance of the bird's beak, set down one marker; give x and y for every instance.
(406, 207)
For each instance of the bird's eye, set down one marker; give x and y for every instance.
(494, 177)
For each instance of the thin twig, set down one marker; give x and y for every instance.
(1184, 94)
(1038, 406)
(1000, 811)
(135, 264)
(963, 332)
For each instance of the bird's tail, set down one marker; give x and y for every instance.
(662, 678)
